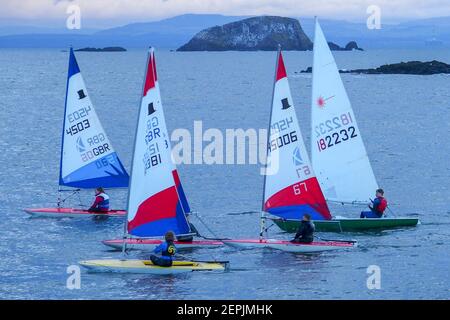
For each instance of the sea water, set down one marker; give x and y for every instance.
(404, 120)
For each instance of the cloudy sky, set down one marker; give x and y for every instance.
(105, 13)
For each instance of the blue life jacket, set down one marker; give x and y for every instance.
(167, 250)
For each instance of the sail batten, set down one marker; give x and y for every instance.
(338, 153)
(154, 204)
(88, 159)
(291, 188)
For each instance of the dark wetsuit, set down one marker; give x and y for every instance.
(305, 233)
(167, 250)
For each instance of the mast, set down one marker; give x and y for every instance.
(63, 130)
(263, 220)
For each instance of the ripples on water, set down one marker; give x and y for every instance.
(404, 121)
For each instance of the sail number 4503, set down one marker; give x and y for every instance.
(78, 127)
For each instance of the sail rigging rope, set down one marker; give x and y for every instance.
(207, 228)
(74, 192)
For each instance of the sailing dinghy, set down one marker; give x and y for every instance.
(157, 199)
(290, 185)
(338, 154)
(154, 202)
(88, 160)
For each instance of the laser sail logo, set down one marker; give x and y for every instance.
(321, 101)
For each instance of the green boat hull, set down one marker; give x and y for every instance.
(349, 225)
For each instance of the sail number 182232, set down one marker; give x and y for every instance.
(335, 131)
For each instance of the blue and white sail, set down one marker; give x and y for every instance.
(88, 159)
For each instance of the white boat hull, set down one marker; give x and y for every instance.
(316, 246)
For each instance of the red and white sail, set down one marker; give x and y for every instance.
(154, 206)
(338, 154)
(291, 188)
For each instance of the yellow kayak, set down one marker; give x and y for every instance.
(146, 266)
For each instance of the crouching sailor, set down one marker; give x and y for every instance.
(167, 250)
(101, 203)
(378, 206)
(305, 233)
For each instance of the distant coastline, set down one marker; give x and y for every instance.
(410, 67)
(106, 49)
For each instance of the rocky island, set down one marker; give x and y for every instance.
(410, 67)
(106, 49)
(352, 45)
(257, 33)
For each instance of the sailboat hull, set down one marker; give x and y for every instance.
(317, 246)
(71, 213)
(350, 225)
(150, 244)
(147, 267)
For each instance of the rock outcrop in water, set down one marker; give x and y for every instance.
(410, 67)
(258, 33)
(352, 45)
(106, 49)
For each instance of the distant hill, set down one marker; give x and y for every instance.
(173, 32)
(187, 24)
(167, 33)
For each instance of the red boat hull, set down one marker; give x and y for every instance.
(150, 244)
(71, 213)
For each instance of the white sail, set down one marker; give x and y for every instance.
(339, 157)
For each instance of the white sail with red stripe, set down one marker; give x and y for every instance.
(338, 154)
(154, 206)
(291, 188)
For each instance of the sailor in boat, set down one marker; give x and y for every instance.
(101, 202)
(378, 206)
(305, 233)
(167, 250)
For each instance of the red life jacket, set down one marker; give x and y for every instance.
(383, 205)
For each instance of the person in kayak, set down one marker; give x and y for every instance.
(378, 206)
(167, 250)
(101, 202)
(305, 233)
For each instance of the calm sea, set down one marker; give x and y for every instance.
(405, 125)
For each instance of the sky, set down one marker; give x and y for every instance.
(107, 13)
